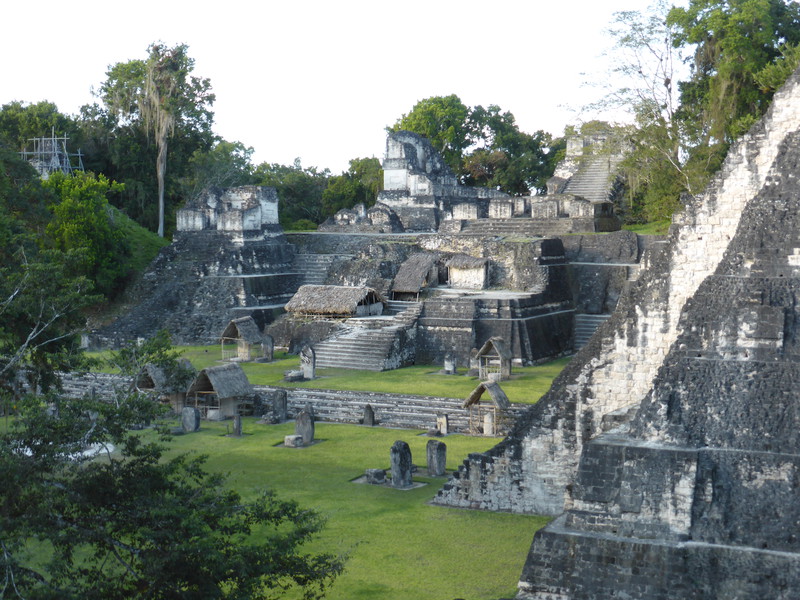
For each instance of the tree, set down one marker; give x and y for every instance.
(83, 223)
(226, 164)
(444, 120)
(20, 122)
(299, 189)
(136, 524)
(158, 95)
(41, 298)
(360, 184)
(733, 40)
(483, 146)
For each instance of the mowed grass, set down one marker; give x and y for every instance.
(527, 384)
(399, 545)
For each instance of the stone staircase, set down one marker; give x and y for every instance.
(519, 226)
(594, 179)
(391, 410)
(585, 326)
(368, 343)
(314, 267)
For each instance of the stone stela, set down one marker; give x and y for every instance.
(400, 456)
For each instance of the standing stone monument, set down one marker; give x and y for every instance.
(308, 362)
(190, 419)
(369, 416)
(474, 363)
(268, 346)
(304, 426)
(400, 455)
(450, 363)
(488, 423)
(437, 457)
(279, 406)
(237, 426)
(443, 424)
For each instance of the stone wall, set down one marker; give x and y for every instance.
(201, 282)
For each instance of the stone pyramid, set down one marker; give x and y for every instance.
(672, 440)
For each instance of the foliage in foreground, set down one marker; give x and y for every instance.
(130, 523)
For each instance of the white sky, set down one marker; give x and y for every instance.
(321, 79)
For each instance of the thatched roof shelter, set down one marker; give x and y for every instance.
(155, 378)
(226, 381)
(495, 345)
(496, 393)
(494, 360)
(416, 272)
(336, 300)
(466, 271)
(464, 261)
(486, 419)
(243, 328)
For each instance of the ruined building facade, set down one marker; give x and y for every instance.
(669, 445)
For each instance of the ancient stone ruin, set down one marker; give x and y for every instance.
(401, 466)
(421, 193)
(668, 446)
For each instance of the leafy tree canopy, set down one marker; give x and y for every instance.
(483, 146)
(83, 223)
(733, 41)
(299, 189)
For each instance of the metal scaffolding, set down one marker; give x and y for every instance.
(50, 154)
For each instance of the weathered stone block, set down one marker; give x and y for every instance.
(436, 452)
(400, 456)
(293, 441)
(190, 419)
(304, 426)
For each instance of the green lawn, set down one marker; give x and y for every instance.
(526, 385)
(654, 228)
(400, 546)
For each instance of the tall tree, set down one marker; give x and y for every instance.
(299, 189)
(19, 122)
(159, 94)
(483, 146)
(444, 120)
(733, 40)
(360, 184)
(84, 223)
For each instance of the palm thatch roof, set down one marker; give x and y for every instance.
(497, 344)
(496, 393)
(332, 299)
(227, 381)
(244, 328)
(156, 378)
(413, 273)
(464, 261)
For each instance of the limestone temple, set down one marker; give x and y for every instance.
(666, 451)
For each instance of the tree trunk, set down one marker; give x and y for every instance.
(161, 171)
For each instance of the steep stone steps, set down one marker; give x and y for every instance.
(516, 226)
(391, 410)
(369, 342)
(593, 180)
(314, 267)
(585, 326)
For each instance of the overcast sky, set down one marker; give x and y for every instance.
(321, 79)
